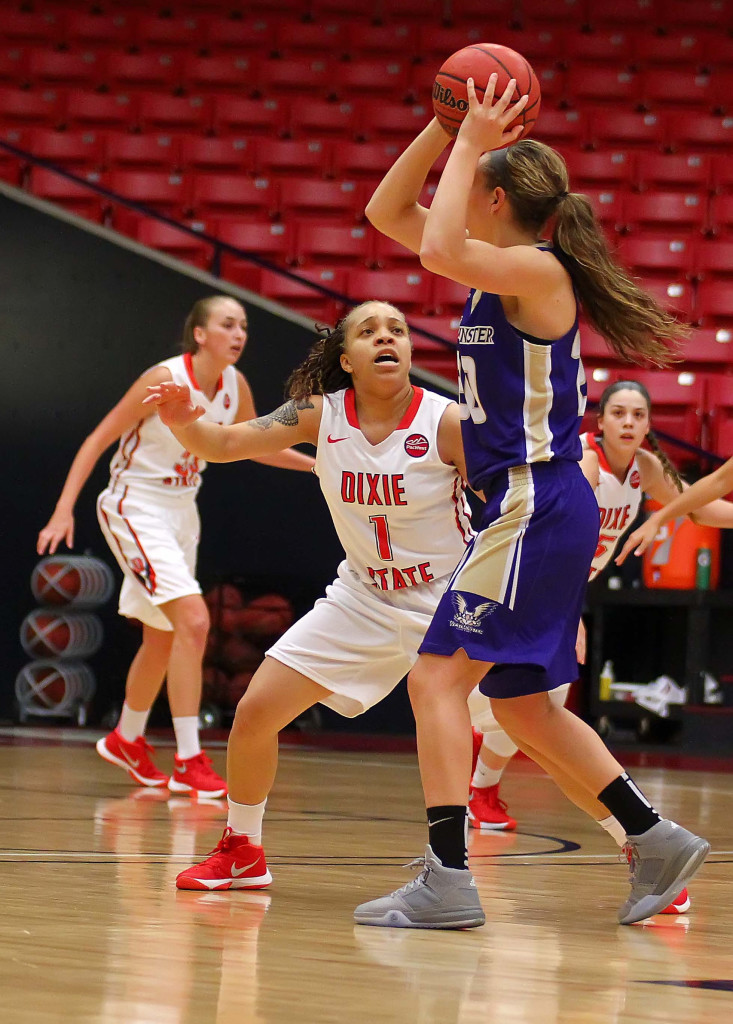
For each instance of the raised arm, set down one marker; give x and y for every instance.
(292, 423)
(288, 459)
(706, 490)
(658, 485)
(128, 411)
(450, 442)
(394, 209)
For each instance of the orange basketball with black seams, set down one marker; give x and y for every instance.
(479, 61)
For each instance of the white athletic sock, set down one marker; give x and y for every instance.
(132, 723)
(246, 819)
(187, 736)
(483, 776)
(614, 828)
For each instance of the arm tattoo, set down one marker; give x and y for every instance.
(287, 414)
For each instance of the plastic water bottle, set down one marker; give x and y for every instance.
(607, 677)
(702, 568)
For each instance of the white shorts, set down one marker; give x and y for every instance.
(358, 642)
(155, 544)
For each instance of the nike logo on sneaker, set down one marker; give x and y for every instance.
(182, 768)
(333, 440)
(132, 764)
(236, 872)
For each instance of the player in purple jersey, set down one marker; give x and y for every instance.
(509, 617)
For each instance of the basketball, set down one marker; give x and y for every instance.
(78, 580)
(479, 61)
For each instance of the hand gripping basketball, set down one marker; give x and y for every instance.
(486, 123)
(174, 405)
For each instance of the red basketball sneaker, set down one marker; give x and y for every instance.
(133, 757)
(196, 776)
(478, 739)
(486, 810)
(679, 906)
(235, 863)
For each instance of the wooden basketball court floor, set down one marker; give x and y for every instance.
(92, 928)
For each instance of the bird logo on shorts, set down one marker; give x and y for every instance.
(470, 621)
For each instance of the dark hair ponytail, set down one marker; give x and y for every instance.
(321, 371)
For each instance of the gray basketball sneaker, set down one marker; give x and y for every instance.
(438, 898)
(662, 861)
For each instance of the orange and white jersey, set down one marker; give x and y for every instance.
(150, 459)
(618, 503)
(400, 512)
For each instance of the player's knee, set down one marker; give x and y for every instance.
(251, 718)
(193, 626)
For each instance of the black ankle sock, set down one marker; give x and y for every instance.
(447, 835)
(628, 805)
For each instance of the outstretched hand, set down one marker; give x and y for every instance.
(174, 405)
(59, 527)
(485, 124)
(639, 540)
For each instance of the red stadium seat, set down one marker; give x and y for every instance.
(544, 43)
(718, 50)
(272, 241)
(153, 30)
(321, 118)
(667, 171)
(665, 211)
(224, 194)
(155, 152)
(607, 47)
(439, 41)
(720, 404)
(252, 34)
(674, 50)
(602, 169)
(625, 128)
(714, 259)
(76, 151)
(390, 254)
(232, 114)
(14, 69)
(676, 87)
(333, 244)
(174, 113)
(370, 78)
(319, 39)
(377, 119)
(702, 13)
(57, 189)
(667, 257)
(569, 12)
(79, 70)
(692, 130)
(312, 77)
(711, 346)
(110, 31)
(28, 108)
(445, 327)
(364, 159)
(169, 239)
(27, 27)
(607, 204)
(300, 296)
(678, 399)
(592, 83)
(292, 157)
(674, 293)
(81, 109)
(227, 72)
(342, 200)
(234, 154)
(411, 291)
(715, 303)
(12, 167)
(721, 215)
(449, 297)
(157, 190)
(624, 13)
(142, 70)
(397, 39)
(561, 127)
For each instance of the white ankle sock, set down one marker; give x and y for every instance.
(246, 819)
(187, 736)
(614, 828)
(483, 776)
(132, 723)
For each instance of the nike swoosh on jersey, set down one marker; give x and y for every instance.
(333, 440)
(236, 872)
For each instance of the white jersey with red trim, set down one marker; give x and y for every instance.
(401, 513)
(618, 503)
(149, 457)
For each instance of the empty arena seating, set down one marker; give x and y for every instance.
(272, 127)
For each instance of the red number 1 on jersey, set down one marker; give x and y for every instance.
(381, 534)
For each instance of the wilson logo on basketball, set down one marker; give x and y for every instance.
(444, 95)
(635, 479)
(416, 445)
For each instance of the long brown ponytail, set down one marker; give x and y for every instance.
(535, 178)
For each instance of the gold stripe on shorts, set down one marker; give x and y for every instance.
(492, 568)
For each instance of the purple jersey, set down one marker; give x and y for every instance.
(521, 398)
